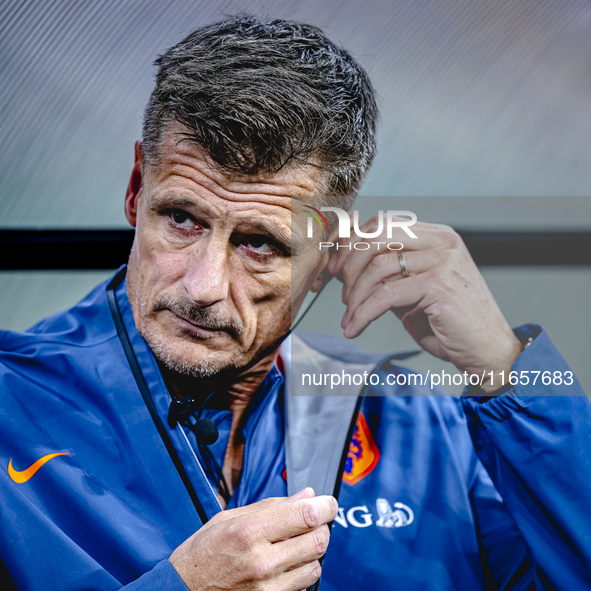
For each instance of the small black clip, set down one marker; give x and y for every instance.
(172, 413)
(180, 411)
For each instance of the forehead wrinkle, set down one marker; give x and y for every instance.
(209, 195)
(311, 178)
(266, 221)
(290, 183)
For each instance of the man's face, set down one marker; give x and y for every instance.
(209, 276)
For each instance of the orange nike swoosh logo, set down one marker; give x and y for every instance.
(21, 477)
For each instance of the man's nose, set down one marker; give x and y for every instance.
(207, 277)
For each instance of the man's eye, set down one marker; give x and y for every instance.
(258, 242)
(182, 218)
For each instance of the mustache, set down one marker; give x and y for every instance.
(205, 317)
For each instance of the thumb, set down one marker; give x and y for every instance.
(306, 493)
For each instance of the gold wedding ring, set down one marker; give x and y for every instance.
(405, 272)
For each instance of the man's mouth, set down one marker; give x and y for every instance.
(197, 329)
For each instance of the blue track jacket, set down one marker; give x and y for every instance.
(435, 492)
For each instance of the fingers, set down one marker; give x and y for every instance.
(429, 236)
(269, 503)
(298, 579)
(300, 550)
(293, 518)
(246, 510)
(272, 544)
(295, 535)
(392, 294)
(366, 268)
(386, 267)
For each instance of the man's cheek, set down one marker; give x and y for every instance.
(155, 247)
(160, 269)
(275, 317)
(168, 268)
(262, 308)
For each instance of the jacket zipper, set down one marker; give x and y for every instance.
(339, 480)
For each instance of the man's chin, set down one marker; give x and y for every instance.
(201, 370)
(185, 356)
(204, 367)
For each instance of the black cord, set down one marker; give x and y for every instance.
(212, 467)
(216, 471)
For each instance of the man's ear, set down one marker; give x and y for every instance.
(323, 276)
(321, 280)
(134, 186)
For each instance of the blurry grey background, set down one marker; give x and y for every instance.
(486, 122)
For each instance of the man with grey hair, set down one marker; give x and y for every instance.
(150, 437)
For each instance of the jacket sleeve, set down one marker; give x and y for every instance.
(162, 576)
(533, 441)
(506, 560)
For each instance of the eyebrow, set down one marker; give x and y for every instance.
(172, 201)
(282, 238)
